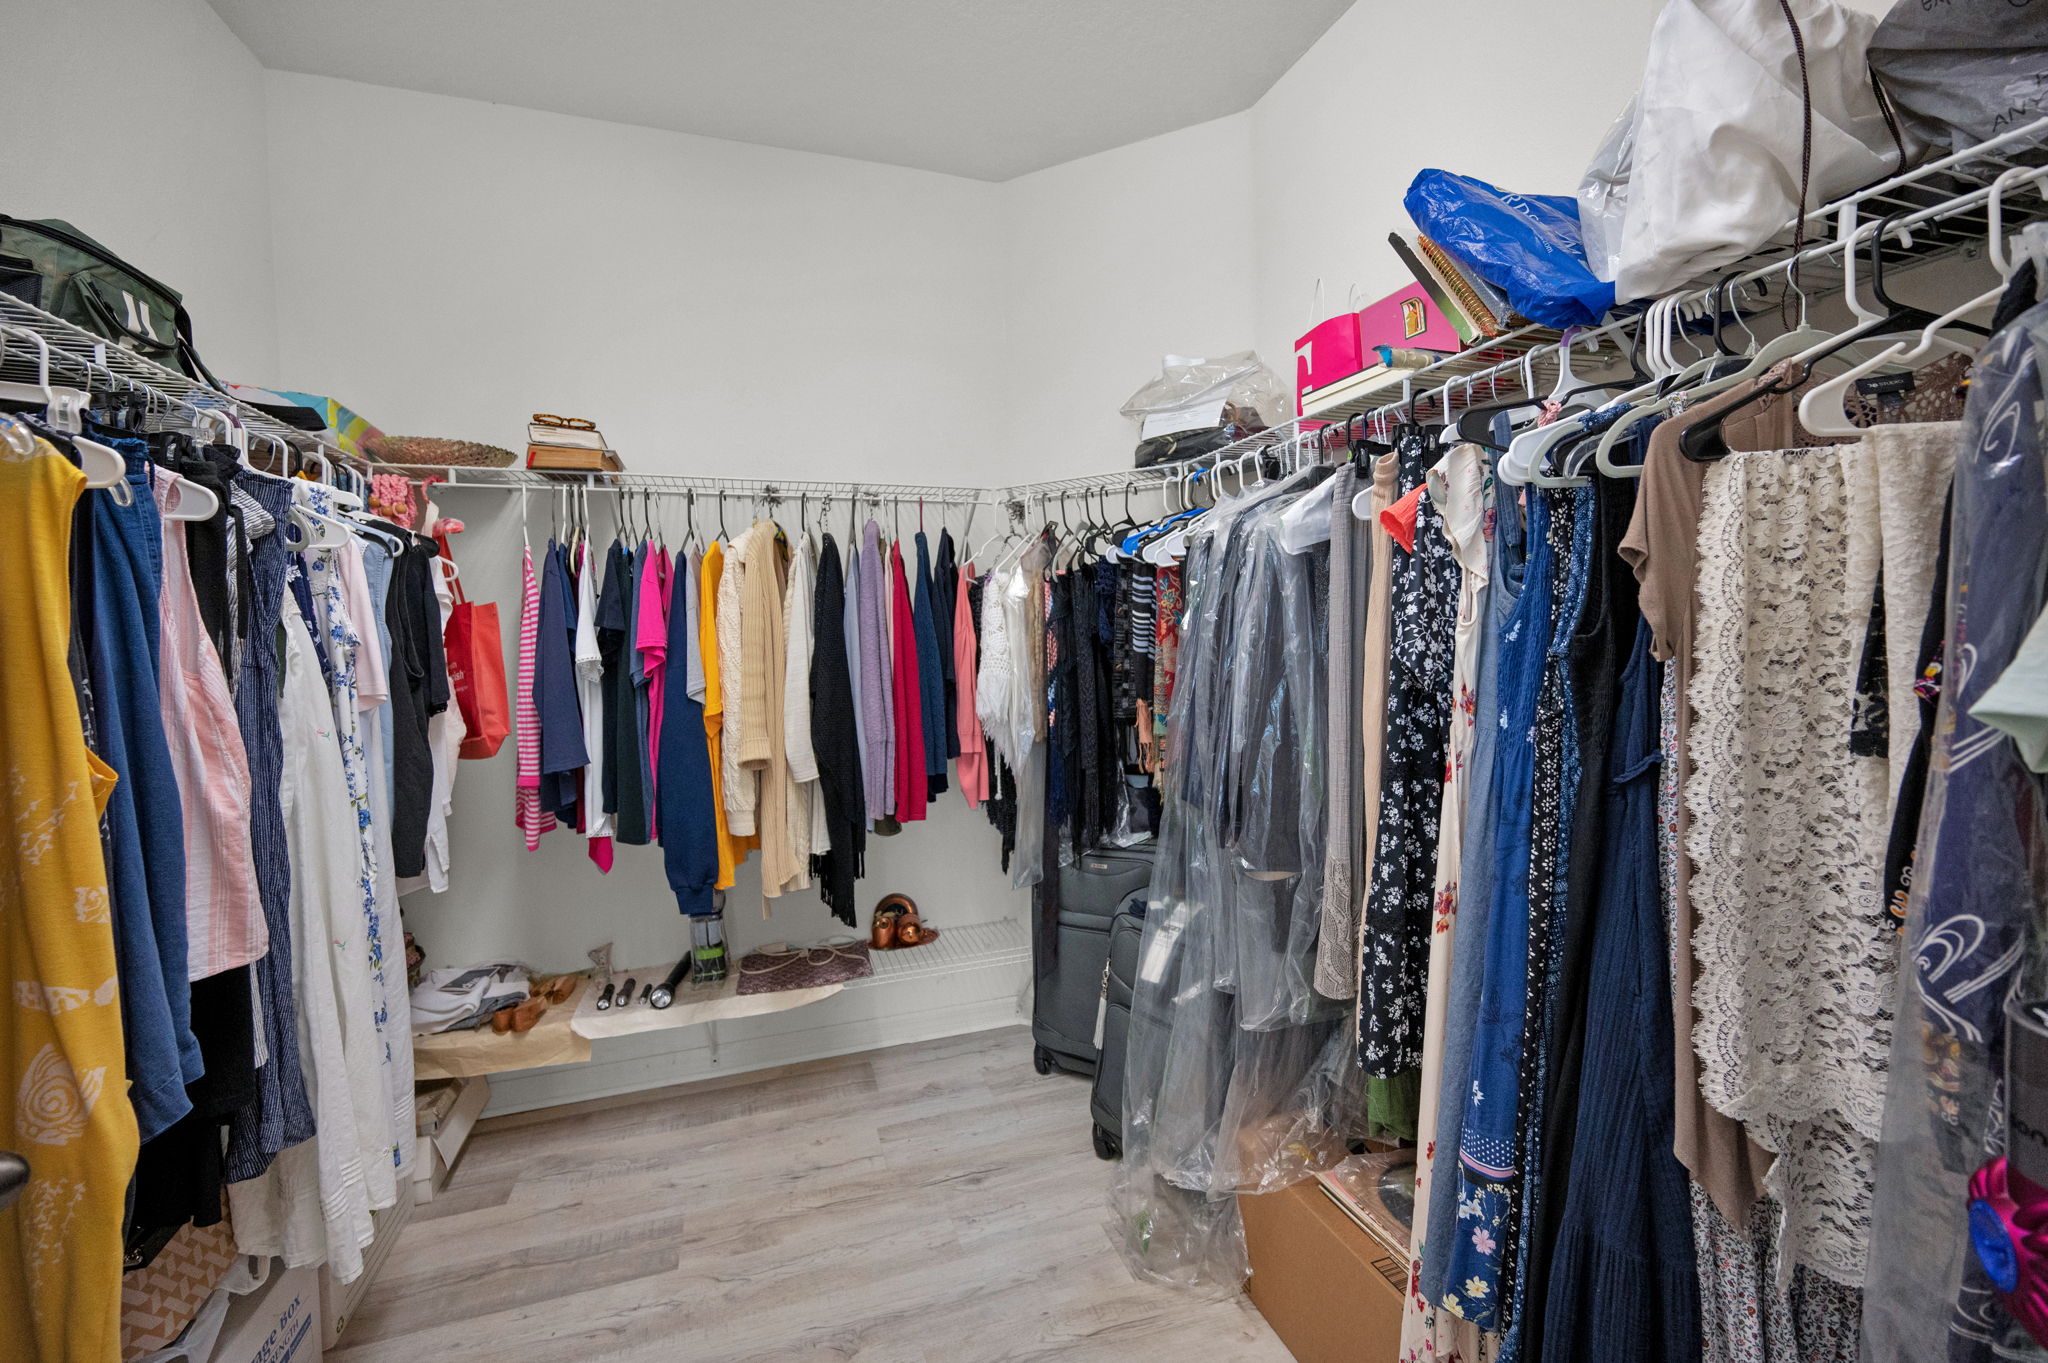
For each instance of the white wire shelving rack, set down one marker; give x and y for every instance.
(79, 359)
(1944, 208)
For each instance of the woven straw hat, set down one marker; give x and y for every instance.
(427, 449)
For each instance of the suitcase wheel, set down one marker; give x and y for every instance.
(1108, 1145)
(1041, 1060)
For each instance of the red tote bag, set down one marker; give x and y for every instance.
(476, 673)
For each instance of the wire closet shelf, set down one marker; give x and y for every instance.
(80, 359)
(1945, 208)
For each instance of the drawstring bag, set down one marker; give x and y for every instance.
(1965, 71)
(1707, 163)
(476, 674)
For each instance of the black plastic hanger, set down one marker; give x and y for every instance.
(1702, 443)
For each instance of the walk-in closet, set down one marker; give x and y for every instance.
(918, 682)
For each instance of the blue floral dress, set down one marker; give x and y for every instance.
(342, 644)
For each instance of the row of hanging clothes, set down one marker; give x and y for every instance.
(769, 691)
(229, 748)
(1077, 650)
(1629, 799)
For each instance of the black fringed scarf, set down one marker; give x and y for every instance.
(837, 743)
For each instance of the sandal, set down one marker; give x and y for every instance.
(903, 927)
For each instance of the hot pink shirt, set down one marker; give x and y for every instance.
(911, 778)
(650, 636)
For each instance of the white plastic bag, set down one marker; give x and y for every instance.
(1705, 166)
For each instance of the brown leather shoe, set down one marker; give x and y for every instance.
(558, 988)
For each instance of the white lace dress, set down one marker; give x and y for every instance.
(1788, 835)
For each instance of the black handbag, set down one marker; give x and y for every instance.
(1165, 449)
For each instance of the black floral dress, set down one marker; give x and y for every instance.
(1424, 586)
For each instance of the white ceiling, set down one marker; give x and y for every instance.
(983, 88)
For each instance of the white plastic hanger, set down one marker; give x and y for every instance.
(190, 501)
(348, 503)
(1525, 454)
(1169, 548)
(316, 531)
(1828, 345)
(231, 433)
(1995, 216)
(2033, 244)
(280, 447)
(997, 536)
(103, 466)
(343, 498)
(42, 390)
(1823, 411)
(1680, 389)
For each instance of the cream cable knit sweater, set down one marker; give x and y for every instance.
(738, 787)
(764, 660)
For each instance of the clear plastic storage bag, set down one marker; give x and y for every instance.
(1239, 1077)
(1197, 406)
(1187, 384)
(1979, 906)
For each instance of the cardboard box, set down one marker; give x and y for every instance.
(1330, 1290)
(277, 1323)
(443, 1134)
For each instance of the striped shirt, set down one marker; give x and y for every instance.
(531, 818)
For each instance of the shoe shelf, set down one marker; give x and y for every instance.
(565, 1033)
(976, 946)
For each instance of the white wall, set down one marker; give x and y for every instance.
(1481, 87)
(723, 308)
(141, 123)
(1111, 262)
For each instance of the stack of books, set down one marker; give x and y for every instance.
(1474, 307)
(1394, 366)
(568, 444)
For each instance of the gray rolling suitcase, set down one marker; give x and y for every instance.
(1106, 1104)
(1067, 970)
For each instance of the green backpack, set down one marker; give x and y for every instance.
(52, 265)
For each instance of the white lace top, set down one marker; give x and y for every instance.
(1788, 836)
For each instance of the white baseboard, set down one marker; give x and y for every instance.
(847, 1023)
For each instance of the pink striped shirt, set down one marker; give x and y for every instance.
(531, 818)
(224, 925)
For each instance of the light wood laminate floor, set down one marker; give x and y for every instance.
(936, 1203)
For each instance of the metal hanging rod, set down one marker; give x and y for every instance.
(456, 475)
(1137, 479)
